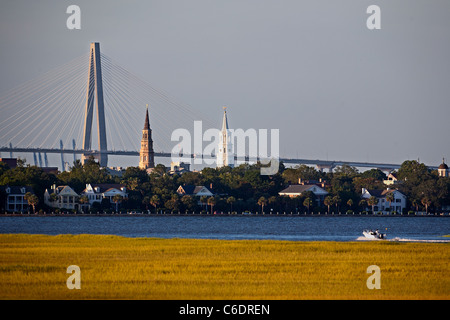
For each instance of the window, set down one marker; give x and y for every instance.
(398, 200)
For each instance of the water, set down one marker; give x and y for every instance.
(296, 228)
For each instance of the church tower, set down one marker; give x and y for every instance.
(443, 170)
(225, 156)
(147, 156)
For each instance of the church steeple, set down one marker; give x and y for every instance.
(225, 155)
(146, 155)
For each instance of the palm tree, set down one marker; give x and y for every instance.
(82, 200)
(211, 201)
(426, 202)
(32, 200)
(415, 203)
(328, 201)
(363, 204)
(231, 200)
(350, 203)
(155, 201)
(336, 201)
(117, 199)
(390, 198)
(307, 203)
(262, 202)
(372, 201)
(204, 200)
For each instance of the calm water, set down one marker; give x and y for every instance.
(299, 228)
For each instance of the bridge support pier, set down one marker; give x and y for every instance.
(94, 95)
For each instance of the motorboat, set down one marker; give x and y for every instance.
(370, 234)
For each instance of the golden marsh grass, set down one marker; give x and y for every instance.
(113, 267)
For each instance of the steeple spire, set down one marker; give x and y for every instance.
(147, 122)
(225, 120)
(225, 155)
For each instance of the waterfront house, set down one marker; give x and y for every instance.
(98, 192)
(296, 190)
(198, 191)
(398, 203)
(61, 197)
(15, 198)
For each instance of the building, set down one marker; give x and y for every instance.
(11, 162)
(398, 203)
(64, 198)
(147, 156)
(443, 170)
(15, 198)
(296, 190)
(98, 192)
(225, 154)
(179, 167)
(197, 191)
(391, 179)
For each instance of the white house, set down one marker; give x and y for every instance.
(98, 192)
(296, 190)
(66, 198)
(398, 203)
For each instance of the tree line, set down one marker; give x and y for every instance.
(239, 189)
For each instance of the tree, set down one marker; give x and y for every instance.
(426, 202)
(273, 200)
(415, 204)
(117, 199)
(328, 201)
(82, 200)
(211, 201)
(350, 203)
(372, 201)
(204, 200)
(307, 203)
(390, 199)
(173, 203)
(363, 204)
(230, 201)
(188, 202)
(32, 200)
(337, 202)
(155, 201)
(262, 202)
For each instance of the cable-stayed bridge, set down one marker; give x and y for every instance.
(55, 113)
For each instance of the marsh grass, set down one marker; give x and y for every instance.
(112, 267)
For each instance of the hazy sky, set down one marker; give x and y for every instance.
(334, 88)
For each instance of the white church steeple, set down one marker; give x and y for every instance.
(225, 155)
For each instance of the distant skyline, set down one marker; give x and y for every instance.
(334, 88)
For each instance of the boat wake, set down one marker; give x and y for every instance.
(368, 239)
(403, 240)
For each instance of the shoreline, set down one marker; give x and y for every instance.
(222, 214)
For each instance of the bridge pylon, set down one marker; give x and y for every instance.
(94, 96)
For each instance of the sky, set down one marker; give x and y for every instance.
(312, 69)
